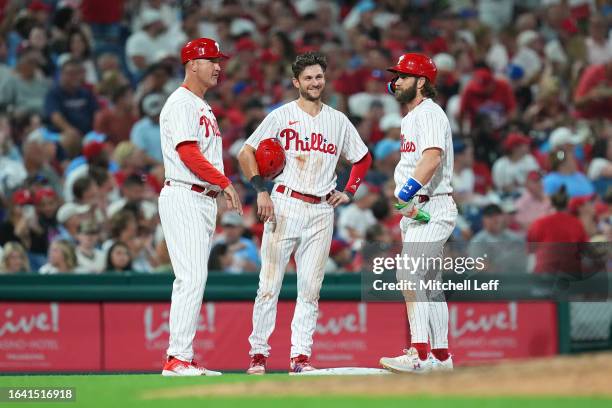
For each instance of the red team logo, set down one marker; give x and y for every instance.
(316, 142)
(210, 125)
(407, 146)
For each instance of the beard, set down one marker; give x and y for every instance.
(304, 94)
(408, 95)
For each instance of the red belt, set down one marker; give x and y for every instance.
(425, 198)
(312, 199)
(200, 189)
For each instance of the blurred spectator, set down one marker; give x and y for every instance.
(565, 173)
(62, 258)
(39, 155)
(162, 255)
(96, 153)
(89, 258)
(510, 170)
(487, 96)
(357, 217)
(243, 251)
(593, 95)
(70, 216)
(132, 161)
(548, 111)
(118, 258)
(471, 183)
(85, 191)
(14, 259)
(37, 40)
(375, 94)
(530, 46)
(146, 134)
(124, 228)
(79, 49)
(340, 256)
(551, 234)
(69, 106)
(599, 41)
(447, 82)
(584, 208)
(25, 91)
(533, 203)
(220, 259)
(116, 121)
(12, 170)
(153, 36)
(496, 244)
(600, 168)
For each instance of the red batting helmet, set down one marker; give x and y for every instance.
(270, 157)
(201, 48)
(416, 64)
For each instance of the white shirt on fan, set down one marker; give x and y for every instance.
(312, 146)
(425, 127)
(186, 117)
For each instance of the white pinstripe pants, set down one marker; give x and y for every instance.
(188, 220)
(308, 229)
(428, 315)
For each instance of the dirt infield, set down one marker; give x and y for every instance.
(584, 375)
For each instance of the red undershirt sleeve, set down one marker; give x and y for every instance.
(358, 172)
(196, 162)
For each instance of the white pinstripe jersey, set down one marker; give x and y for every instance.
(312, 145)
(424, 127)
(186, 117)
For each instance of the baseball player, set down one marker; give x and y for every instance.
(299, 214)
(191, 149)
(423, 181)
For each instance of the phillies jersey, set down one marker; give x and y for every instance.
(186, 117)
(424, 127)
(312, 146)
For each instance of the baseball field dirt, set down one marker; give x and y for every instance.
(562, 382)
(584, 375)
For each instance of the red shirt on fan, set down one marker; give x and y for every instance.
(557, 235)
(489, 96)
(593, 77)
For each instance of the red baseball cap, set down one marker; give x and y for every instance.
(515, 139)
(337, 246)
(481, 79)
(576, 202)
(534, 175)
(45, 192)
(93, 149)
(22, 197)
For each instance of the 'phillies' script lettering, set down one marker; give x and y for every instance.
(211, 125)
(155, 328)
(316, 142)
(352, 322)
(43, 321)
(406, 145)
(504, 320)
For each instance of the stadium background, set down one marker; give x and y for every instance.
(526, 85)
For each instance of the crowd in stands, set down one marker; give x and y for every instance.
(526, 85)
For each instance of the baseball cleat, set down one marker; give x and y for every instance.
(205, 371)
(409, 362)
(179, 368)
(258, 365)
(300, 364)
(437, 365)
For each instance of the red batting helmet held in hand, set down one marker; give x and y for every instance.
(201, 48)
(416, 64)
(270, 157)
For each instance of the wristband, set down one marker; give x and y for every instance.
(409, 189)
(258, 183)
(349, 194)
